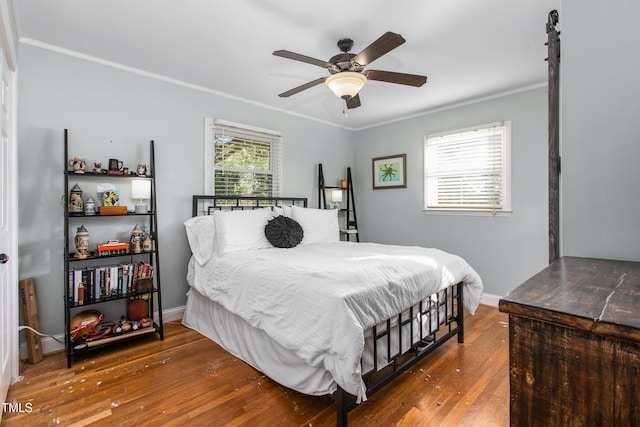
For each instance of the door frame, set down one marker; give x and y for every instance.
(8, 46)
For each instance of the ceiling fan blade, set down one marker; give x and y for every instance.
(399, 78)
(303, 58)
(385, 44)
(300, 88)
(353, 102)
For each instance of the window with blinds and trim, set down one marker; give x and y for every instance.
(468, 170)
(242, 160)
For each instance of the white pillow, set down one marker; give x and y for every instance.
(241, 230)
(282, 210)
(319, 225)
(201, 233)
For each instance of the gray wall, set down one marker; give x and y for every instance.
(114, 113)
(600, 142)
(504, 250)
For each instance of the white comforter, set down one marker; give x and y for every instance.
(317, 300)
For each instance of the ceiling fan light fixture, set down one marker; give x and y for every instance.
(346, 84)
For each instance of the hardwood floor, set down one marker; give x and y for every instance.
(188, 379)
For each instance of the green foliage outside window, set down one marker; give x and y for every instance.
(242, 167)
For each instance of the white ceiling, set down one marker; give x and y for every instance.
(469, 49)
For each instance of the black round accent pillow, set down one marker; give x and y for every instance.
(283, 232)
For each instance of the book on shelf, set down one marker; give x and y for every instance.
(90, 284)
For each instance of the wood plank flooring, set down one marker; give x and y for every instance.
(188, 379)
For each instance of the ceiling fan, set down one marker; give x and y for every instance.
(347, 69)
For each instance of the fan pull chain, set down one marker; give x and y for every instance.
(345, 109)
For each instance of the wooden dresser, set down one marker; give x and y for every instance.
(574, 345)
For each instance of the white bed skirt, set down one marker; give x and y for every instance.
(254, 346)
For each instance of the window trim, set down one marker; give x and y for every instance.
(506, 210)
(209, 125)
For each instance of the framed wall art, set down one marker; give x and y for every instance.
(389, 171)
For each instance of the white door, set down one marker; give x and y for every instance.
(8, 234)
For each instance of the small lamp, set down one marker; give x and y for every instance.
(336, 198)
(141, 189)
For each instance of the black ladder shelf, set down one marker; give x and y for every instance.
(81, 274)
(349, 211)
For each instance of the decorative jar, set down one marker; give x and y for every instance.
(76, 204)
(82, 243)
(137, 237)
(90, 207)
(147, 243)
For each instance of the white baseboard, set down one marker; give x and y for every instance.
(489, 299)
(171, 314)
(50, 345)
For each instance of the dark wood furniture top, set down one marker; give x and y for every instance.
(574, 345)
(595, 295)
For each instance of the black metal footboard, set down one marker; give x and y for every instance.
(439, 319)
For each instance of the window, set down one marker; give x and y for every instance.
(469, 169)
(242, 160)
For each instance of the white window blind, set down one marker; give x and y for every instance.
(242, 160)
(468, 169)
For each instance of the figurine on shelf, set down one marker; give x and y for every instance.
(143, 169)
(78, 164)
(76, 205)
(123, 325)
(97, 168)
(82, 243)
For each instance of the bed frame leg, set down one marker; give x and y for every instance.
(341, 407)
(460, 317)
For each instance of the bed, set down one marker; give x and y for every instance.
(314, 313)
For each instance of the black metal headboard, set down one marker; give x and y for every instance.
(204, 205)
